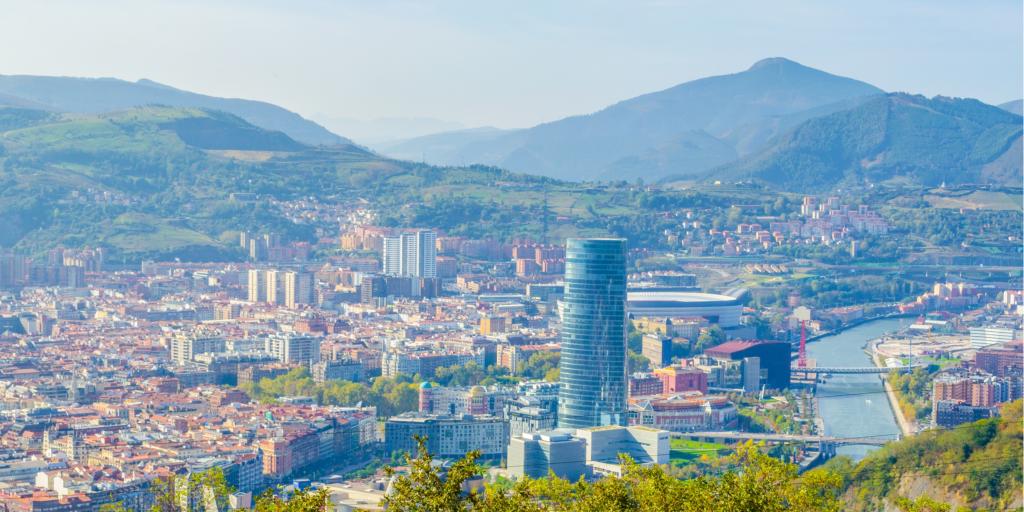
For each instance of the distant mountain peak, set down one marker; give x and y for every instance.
(776, 63)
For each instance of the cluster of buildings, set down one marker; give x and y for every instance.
(966, 394)
(63, 267)
(268, 247)
(135, 375)
(820, 222)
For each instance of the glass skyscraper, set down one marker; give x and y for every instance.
(592, 370)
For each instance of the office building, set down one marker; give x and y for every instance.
(337, 369)
(645, 445)
(985, 336)
(448, 436)
(536, 454)
(475, 400)
(679, 379)
(774, 360)
(950, 413)
(592, 376)
(392, 256)
(1000, 361)
(395, 361)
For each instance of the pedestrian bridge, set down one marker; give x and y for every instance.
(784, 438)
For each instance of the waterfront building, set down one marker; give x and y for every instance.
(982, 337)
(774, 359)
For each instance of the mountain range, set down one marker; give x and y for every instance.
(740, 126)
(100, 95)
(686, 129)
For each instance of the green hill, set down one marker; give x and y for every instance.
(156, 182)
(975, 465)
(100, 95)
(893, 137)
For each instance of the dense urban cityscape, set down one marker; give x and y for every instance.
(536, 257)
(288, 370)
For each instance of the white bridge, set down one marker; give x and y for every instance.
(851, 370)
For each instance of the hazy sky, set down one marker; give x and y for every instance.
(507, 64)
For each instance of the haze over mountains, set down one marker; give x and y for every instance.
(99, 95)
(722, 125)
(778, 122)
(685, 129)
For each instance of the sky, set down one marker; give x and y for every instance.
(507, 64)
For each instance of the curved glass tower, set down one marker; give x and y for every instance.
(592, 370)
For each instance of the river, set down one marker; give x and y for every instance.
(854, 405)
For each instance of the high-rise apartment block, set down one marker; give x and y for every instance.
(288, 288)
(295, 349)
(411, 254)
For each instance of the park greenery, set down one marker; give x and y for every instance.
(913, 391)
(389, 396)
(400, 394)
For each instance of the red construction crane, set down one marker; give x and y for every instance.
(801, 361)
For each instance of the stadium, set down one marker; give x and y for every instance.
(723, 310)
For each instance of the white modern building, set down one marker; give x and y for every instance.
(723, 310)
(536, 454)
(985, 336)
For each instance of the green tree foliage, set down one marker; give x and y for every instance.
(470, 374)
(709, 337)
(913, 391)
(187, 493)
(390, 396)
(300, 501)
(540, 364)
(758, 483)
(921, 504)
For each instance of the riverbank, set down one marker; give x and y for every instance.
(906, 427)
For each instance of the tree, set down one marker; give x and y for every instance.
(192, 491)
(423, 489)
(710, 337)
(301, 501)
(755, 482)
(921, 504)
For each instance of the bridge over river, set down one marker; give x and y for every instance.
(784, 438)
